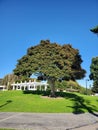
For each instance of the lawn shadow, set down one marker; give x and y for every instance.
(6, 103)
(38, 92)
(80, 104)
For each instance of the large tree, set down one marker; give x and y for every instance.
(52, 61)
(94, 66)
(94, 73)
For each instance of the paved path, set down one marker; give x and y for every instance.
(48, 121)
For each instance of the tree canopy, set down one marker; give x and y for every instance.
(52, 60)
(94, 73)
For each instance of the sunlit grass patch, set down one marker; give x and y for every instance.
(17, 101)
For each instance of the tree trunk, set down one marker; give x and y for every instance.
(52, 85)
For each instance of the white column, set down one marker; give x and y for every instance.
(45, 87)
(34, 86)
(40, 87)
(25, 85)
(29, 85)
(13, 87)
(21, 85)
(17, 86)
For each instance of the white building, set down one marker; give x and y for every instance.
(2, 88)
(30, 85)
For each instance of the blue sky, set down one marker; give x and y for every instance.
(23, 23)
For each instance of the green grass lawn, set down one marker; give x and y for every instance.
(17, 101)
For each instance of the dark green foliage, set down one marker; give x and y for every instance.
(95, 86)
(94, 67)
(94, 30)
(94, 73)
(37, 92)
(53, 61)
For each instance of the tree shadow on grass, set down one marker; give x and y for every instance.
(6, 103)
(80, 104)
(37, 92)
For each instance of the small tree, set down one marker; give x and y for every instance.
(94, 73)
(52, 61)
